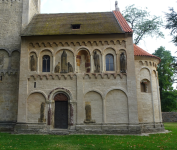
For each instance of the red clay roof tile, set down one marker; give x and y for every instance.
(140, 52)
(123, 23)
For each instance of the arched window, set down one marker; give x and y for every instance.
(145, 86)
(46, 63)
(109, 62)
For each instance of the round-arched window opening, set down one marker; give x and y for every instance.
(145, 86)
(46, 63)
(109, 62)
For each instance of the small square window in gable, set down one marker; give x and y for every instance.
(75, 26)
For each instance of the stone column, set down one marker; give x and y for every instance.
(92, 64)
(117, 64)
(103, 63)
(38, 62)
(75, 64)
(159, 102)
(53, 69)
(104, 111)
(152, 98)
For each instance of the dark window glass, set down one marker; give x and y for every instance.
(0, 78)
(109, 62)
(76, 26)
(34, 84)
(143, 87)
(46, 63)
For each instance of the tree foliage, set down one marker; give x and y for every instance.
(165, 73)
(169, 100)
(142, 23)
(172, 24)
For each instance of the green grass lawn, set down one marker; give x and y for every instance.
(108, 142)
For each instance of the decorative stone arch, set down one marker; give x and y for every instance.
(111, 89)
(96, 49)
(60, 49)
(14, 51)
(38, 91)
(34, 51)
(6, 50)
(97, 91)
(83, 48)
(150, 63)
(122, 50)
(141, 63)
(46, 49)
(104, 51)
(52, 106)
(56, 91)
(144, 67)
(155, 72)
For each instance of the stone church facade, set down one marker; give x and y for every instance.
(74, 73)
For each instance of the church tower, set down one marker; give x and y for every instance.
(14, 16)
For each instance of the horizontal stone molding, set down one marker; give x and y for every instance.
(9, 72)
(70, 76)
(83, 43)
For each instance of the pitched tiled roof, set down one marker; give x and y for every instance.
(140, 52)
(122, 21)
(60, 24)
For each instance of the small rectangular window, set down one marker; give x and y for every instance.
(0, 78)
(76, 26)
(34, 84)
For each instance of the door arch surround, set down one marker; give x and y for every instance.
(61, 111)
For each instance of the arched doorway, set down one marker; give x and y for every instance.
(61, 111)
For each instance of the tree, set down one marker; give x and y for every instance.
(172, 24)
(168, 100)
(165, 73)
(142, 23)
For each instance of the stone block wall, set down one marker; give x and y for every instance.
(169, 116)
(11, 12)
(149, 107)
(10, 26)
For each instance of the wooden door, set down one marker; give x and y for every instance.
(61, 111)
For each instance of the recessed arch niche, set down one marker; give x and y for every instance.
(98, 52)
(34, 102)
(70, 57)
(4, 59)
(83, 61)
(94, 99)
(116, 107)
(15, 60)
(33, 61)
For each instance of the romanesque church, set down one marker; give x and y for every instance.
(72, 73)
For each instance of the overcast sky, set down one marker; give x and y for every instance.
(155, 7)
